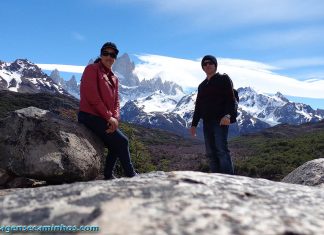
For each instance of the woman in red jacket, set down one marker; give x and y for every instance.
(99, 109)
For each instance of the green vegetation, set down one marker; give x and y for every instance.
(274, 158)
(10, 101)
(140, 156)
(270, 154)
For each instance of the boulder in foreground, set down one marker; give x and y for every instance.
(310, 173)
(39, 144)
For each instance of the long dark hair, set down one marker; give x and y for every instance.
(97, 60)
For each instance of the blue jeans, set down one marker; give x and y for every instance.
(216, 147)
(116, 142)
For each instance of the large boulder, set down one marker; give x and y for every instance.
(170, 203)
(310, 173)
(39, 144)
(4, 177)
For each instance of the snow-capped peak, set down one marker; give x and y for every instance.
(24, 76)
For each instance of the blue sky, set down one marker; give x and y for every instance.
(285, 34)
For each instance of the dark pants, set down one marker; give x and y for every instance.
(216, 147)
(116, 142)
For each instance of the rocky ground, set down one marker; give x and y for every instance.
(172, 203)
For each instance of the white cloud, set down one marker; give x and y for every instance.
(282, 38)
(270, 82)
(62, 67)
(244, 73)
(232, 12)
(78, 36)
(300, 62)
(183, 72)
(259, 76)
(222, 14)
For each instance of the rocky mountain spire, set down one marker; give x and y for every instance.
(125, 67)
(72, 85)
(56, 77)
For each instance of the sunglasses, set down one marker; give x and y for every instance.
(107, 53)
(208, 63)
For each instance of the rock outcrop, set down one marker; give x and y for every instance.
(172, 203)
(311, 173)
(39, 144)
(8, 180)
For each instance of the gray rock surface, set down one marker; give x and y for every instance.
(4, 177)
(311, 173)
(172, 203)
(38, 144)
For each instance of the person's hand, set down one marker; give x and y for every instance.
(193, 131)
(225, 121)
(112, 125)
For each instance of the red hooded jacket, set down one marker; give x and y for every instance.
(99, 92)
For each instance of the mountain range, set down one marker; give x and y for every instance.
(24, 76)
(271, 153)
(155, 103)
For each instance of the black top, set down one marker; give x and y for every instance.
(214, 99)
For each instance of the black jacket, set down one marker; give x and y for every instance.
(214, 99)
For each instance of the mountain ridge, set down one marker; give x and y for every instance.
(155, 103)
(271, 153)
(256, 111)
(26, 77)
